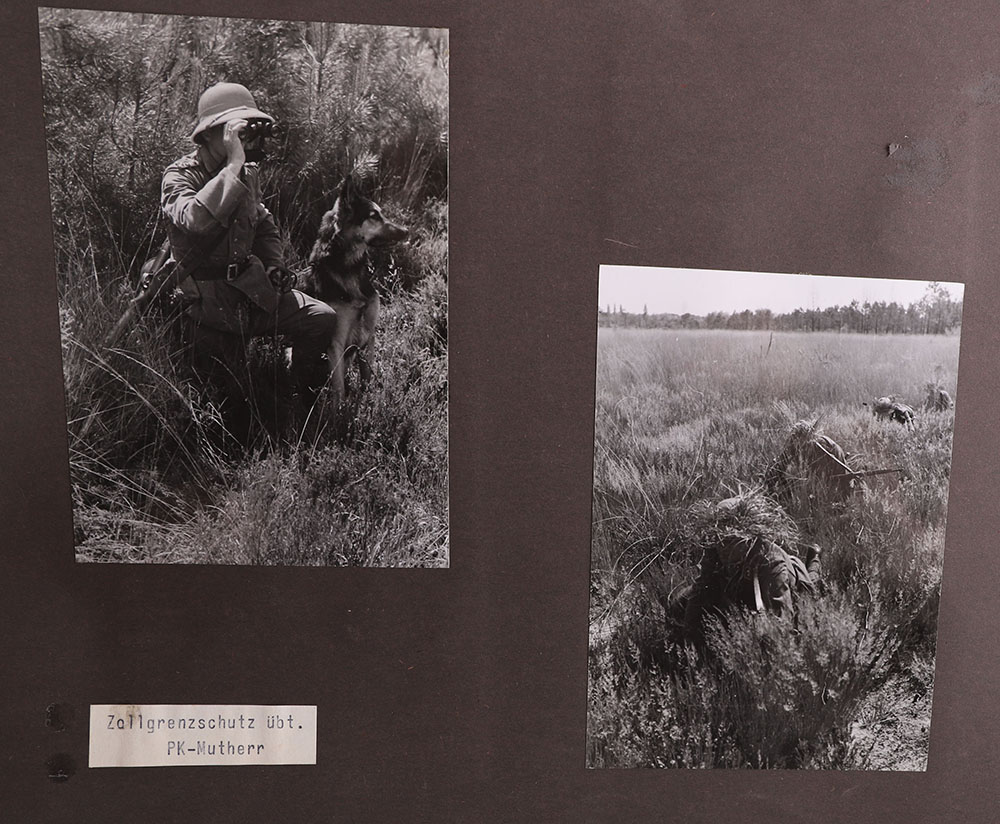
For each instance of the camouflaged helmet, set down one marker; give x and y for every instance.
(224, 102)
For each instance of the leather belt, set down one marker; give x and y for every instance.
(220, 272)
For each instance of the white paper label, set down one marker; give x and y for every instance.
(188, 735)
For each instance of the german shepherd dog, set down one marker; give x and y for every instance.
(341, 276)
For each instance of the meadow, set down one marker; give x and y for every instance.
(157, 479)
(686, 418)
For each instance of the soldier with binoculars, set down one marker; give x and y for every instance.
(227, 249)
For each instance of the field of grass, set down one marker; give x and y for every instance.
(156, 478)
(688, 417)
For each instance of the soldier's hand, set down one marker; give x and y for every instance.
(235, 154)
(282, 278)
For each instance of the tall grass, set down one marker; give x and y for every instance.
(689, 417)
(157, 478)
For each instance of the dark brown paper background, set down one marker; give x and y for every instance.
(734, 134)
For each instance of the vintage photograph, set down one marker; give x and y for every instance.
(250, 222)
(772, 455)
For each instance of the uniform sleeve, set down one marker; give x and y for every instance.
(267, 239)
(814, 569)
(201, 209)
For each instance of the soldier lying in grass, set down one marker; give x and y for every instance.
(752, 573)
(745, 564)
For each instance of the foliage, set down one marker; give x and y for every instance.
(157, 479)
(685, 419)
(935, 313)
(762, 697)
(121, 91)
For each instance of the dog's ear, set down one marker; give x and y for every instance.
(346, 198)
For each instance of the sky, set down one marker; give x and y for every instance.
(700, 291)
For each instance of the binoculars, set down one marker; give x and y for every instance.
(255, 129)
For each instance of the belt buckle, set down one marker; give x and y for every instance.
(232, 271)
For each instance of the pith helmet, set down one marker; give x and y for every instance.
(224, 102)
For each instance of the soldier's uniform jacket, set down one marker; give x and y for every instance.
(220, 274)
(726, 579)
(781, 575)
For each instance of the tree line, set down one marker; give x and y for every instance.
(936, 313)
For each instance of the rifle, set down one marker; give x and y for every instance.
(163, 274)
(855, 473)
(865, 473)
(153, 283)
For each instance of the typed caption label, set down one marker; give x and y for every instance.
(187, 735)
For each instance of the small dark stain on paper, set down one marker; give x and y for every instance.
(58, 717)
(922, 164)
(60, 767)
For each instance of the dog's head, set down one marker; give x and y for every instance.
(357, 218)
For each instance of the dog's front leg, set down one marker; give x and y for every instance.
(368, 323)
(338, 365)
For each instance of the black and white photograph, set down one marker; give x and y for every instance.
(771, 471)
(250, 223)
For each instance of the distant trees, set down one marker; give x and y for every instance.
(934, 314)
